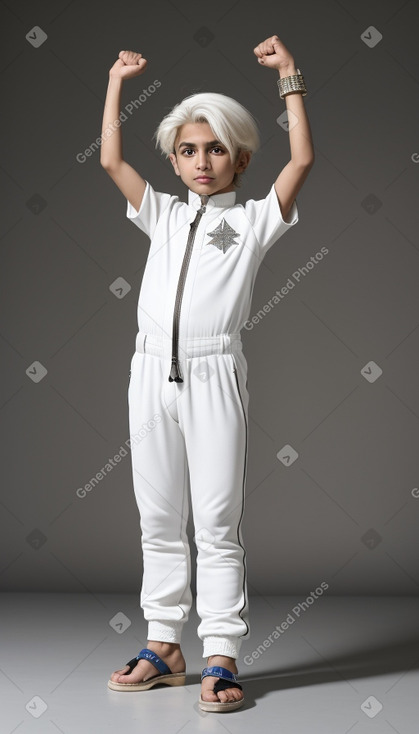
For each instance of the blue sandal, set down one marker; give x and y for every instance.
(164, 675)
(227, 679)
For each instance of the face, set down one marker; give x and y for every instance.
(202, 162)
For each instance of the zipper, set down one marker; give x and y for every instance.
(175, 375)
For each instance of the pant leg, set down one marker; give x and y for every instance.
(161, 483)
(213, 415)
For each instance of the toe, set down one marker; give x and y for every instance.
(129, 678)
(115, 676)
(223, 696)
(209, 696)
(231, 694)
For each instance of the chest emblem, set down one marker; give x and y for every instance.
(223, 236)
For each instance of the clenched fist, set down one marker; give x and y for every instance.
(128, 65)
(273, 54)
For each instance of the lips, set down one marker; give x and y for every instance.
(203, 179)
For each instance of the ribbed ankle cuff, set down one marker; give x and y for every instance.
(217, 645)
(164, 631)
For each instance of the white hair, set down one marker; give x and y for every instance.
(231, 123)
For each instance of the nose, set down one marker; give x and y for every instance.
(202, 159)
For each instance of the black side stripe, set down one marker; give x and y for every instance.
(243, 501)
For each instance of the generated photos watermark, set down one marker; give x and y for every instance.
(136, 438)
(292, 281)
(291, 617)
(123, 116)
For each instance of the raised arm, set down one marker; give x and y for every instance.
(273, 54)
(130, 183)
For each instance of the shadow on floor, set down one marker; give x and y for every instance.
(395, 658)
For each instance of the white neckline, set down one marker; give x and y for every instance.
(216, 200)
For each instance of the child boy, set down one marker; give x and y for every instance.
(189, 374)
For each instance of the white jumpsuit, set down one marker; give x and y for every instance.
(192, 435)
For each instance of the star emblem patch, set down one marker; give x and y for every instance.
(223, 236)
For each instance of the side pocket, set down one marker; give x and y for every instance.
(236, 375)
(130, 369)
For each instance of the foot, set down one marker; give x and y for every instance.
(207, 684)
(169, 652)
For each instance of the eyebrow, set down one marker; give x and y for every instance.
(192, 145)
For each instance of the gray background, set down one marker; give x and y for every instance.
(346, 510)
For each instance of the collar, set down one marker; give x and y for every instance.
(216, 200)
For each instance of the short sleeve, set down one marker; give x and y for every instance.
(266, 219)
(151, 208)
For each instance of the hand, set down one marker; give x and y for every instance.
(128, 65)
(273, 53)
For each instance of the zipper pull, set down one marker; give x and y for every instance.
(174, 372)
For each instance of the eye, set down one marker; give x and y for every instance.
(186, 151)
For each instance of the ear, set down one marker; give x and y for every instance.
(173, 160)
(243, 160)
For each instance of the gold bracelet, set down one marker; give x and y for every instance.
(292, 83)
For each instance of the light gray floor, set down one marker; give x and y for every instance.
(340, 659)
